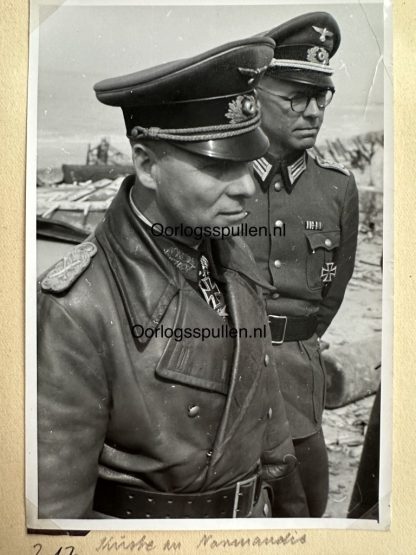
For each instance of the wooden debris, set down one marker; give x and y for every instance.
(80, 205)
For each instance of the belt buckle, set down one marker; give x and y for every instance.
(281, 340)
(239, 485)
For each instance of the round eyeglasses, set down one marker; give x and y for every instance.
(300, 102)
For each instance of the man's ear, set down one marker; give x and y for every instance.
(145, 163)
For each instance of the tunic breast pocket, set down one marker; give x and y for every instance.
(321, 250)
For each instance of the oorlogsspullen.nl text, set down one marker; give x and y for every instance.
(179, 334)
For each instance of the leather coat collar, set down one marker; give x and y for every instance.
(146, 278)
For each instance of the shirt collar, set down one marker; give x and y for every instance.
(183, 257)
(137, 212)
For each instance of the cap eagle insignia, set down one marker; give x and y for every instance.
(324, 33)
(252, 73)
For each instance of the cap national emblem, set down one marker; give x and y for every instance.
(317, 54)
(323, 33)
(242, 109)
(252, 74)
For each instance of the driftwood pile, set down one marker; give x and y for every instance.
(81, 205)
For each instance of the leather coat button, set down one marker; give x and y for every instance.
(275, 295)
(270, 413)
(266, 360)
(277, 263)
(193, 410)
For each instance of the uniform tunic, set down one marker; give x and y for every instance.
(163, 414)
(310, 209)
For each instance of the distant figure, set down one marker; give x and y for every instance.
(102, 151)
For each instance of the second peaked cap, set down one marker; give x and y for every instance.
(304, 47)
(205, 104)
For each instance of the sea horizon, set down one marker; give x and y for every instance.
(70, 118)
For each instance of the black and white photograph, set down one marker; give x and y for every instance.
(209, 258)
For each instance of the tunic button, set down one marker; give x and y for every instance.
(275, 295)
(266, 360)
(278, 223)
(270, 413)
(277, 186)
(328, 243)
(277, 263)
(266, 509)
(193, 410)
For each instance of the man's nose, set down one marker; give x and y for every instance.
(242, 183)
(312, 110)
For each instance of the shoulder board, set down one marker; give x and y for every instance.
(331, 165)
(67, 270)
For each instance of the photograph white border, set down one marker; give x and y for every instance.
(30, 311)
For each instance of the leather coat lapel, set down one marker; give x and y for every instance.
(144, 276)
(247, 361)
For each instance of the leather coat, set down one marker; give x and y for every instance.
(164, 415)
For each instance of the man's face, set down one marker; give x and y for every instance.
(289, 131)
(199, 191)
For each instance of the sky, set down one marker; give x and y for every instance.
(80, 45)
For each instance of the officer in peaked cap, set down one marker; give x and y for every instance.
(311, 208)
(304, 47)
(139, 418)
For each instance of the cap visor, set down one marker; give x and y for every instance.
(242, 148)
(314, 78)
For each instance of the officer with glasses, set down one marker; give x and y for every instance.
(310, 206)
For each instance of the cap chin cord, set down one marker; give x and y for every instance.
(192, 134)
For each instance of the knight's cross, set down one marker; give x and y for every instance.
(211, 292)
(328, 272)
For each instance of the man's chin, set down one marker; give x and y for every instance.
(305, 143)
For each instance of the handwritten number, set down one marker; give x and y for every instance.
(69, 548)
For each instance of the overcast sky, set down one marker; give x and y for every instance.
(79, 45)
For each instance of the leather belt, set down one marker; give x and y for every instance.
(123, 501)
(288, 328)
